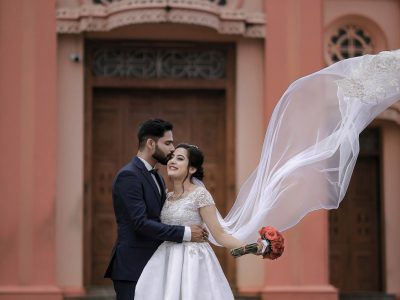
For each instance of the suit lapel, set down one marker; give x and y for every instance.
(147, 176)
(163, 190)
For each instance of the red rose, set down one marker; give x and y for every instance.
(276, 241)
(277, 247)
(269, 233)
(271, 255)
(262, 231)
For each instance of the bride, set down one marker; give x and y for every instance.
(308, 156)
(187, 270)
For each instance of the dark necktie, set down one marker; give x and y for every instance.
(158, 179)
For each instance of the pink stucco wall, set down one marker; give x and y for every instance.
(27, 135)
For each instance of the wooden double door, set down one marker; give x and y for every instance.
(198, 117)
(355, 228)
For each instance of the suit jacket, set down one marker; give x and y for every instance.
(137, 207)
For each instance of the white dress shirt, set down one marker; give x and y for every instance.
(187, 235)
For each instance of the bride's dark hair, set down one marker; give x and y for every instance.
(196, 159)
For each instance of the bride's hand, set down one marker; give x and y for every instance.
(260, 250)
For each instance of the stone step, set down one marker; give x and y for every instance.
(107, 293)
(366, 296)
(98, 293)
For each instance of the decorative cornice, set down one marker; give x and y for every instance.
(92, 17)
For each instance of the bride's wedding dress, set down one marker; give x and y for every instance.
(188, 270)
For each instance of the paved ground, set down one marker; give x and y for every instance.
(108, 294)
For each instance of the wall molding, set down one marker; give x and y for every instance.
(95, 17)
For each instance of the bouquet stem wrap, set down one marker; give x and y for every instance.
(252, 248)
(270, 245)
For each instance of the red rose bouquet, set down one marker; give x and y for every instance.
(270, 245)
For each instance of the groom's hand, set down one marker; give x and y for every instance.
(199, 234)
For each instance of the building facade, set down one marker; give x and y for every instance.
(76, 78)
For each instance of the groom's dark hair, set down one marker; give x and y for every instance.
(152, 129)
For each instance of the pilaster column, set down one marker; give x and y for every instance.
(28, 150)
(294, 49)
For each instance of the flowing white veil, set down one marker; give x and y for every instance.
(311, 144)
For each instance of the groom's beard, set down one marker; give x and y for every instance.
(160, 157)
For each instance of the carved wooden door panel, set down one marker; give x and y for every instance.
(355, 247)
(198, 118)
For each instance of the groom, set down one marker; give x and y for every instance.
(138, 196)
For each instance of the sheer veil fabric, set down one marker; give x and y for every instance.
(312, 143)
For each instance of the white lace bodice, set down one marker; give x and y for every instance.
(185, 211)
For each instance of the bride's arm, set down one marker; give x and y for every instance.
(209, 215)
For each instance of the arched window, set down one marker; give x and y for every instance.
(352, 36)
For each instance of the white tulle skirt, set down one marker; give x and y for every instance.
(185, 271)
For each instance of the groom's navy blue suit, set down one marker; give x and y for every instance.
(137, 205)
